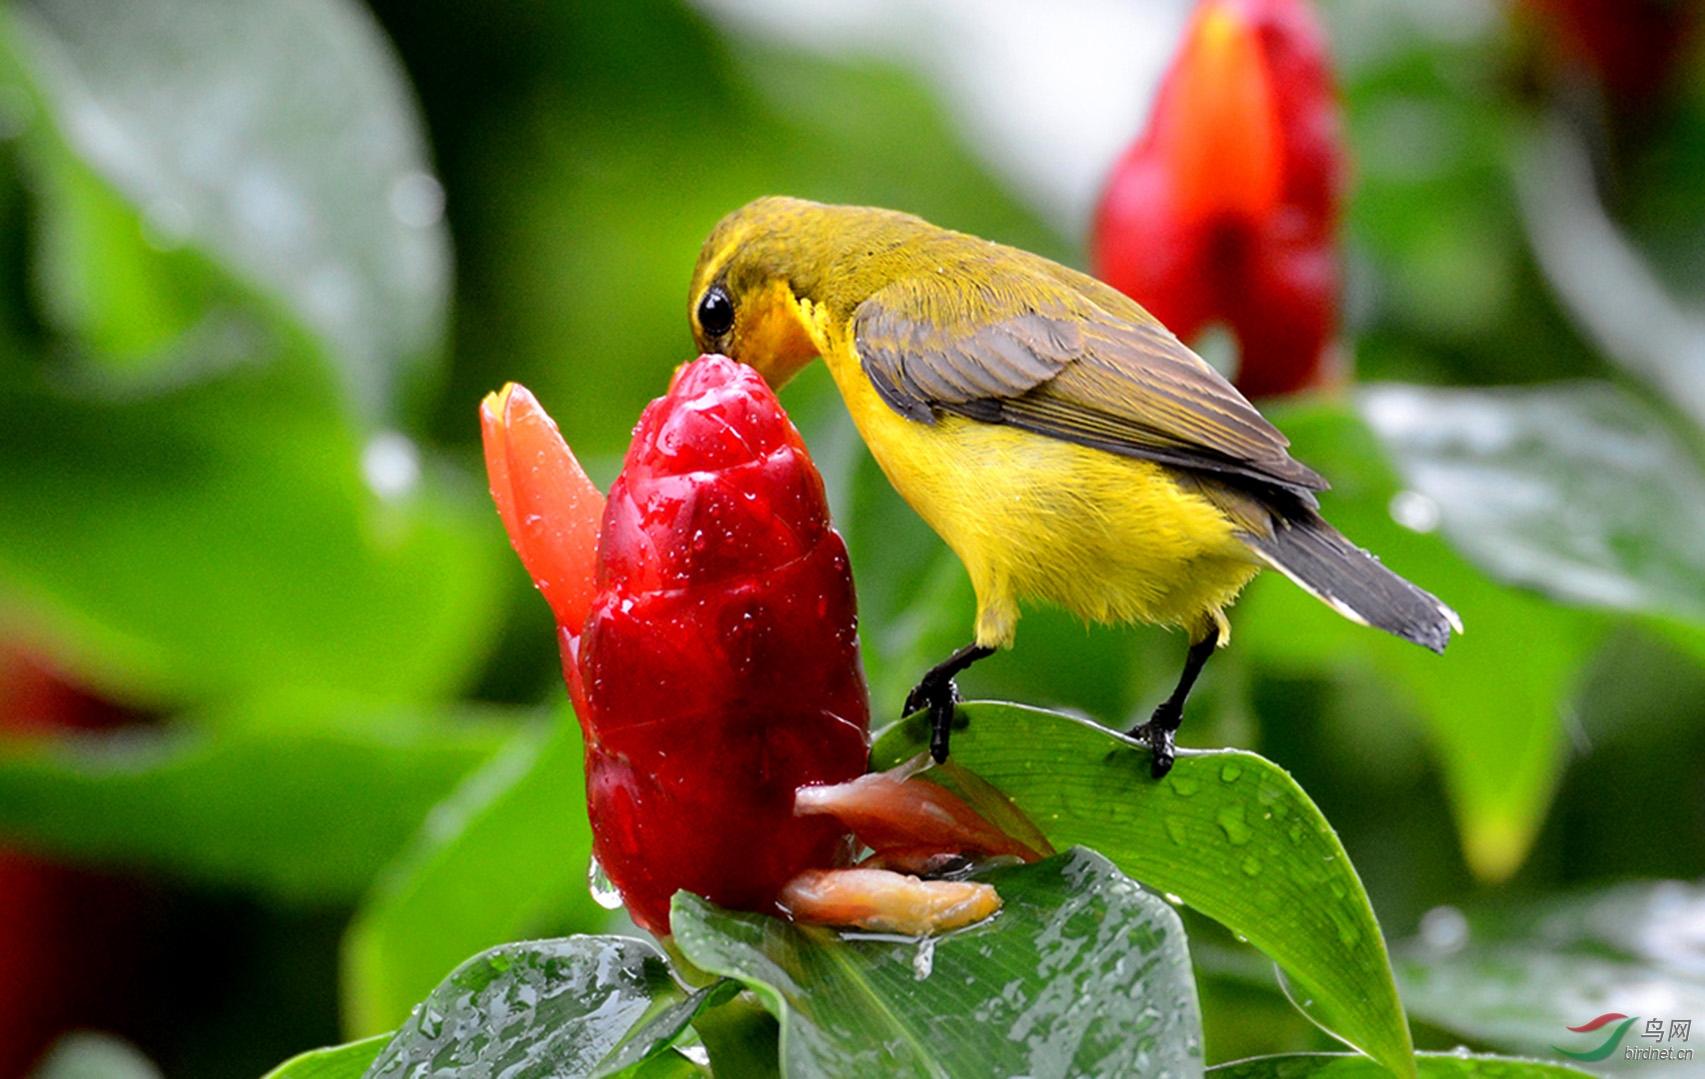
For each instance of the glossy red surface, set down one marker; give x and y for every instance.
(1226, 209)
(717, 667)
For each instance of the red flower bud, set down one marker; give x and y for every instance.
(709, 636)
(1225, 210)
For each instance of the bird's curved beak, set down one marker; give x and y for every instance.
(774, 335)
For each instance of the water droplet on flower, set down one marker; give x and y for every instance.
(604, 893)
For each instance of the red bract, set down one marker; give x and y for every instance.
(1226, 208)
(709, 635)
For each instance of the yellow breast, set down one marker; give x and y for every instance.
(1109, 538)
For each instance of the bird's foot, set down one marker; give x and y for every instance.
(1160, 733)
(938, 693)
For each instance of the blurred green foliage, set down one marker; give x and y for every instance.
(259, 262)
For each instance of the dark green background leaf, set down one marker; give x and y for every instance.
(301, 808)
(1514, 975)
(502, 857)
(1576, 490)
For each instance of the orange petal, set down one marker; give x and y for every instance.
(1221, 121)
(551, 511)
(888, 811)
(885, 902)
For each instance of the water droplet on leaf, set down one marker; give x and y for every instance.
(1231, 822)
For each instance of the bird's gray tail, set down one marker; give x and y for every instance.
(1353, 582)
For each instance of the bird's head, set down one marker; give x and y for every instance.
(748, 286)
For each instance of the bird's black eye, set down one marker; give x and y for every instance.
(716, 312)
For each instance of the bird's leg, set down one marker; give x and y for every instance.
(937, 692)
(1158, 732)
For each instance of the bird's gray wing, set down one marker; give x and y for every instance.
(1037, 354)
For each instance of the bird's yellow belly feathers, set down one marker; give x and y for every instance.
(1109, 538)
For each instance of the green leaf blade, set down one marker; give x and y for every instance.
(347, 1061)
(278, 138)
(538, 1009)
(1227, 832)
(1577, 490)
(1081, 973)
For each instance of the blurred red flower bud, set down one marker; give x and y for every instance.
(1634, 47)
(1225, 210)
(709, 635)
(72, 940)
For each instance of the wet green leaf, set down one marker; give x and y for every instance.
(278, 139)
(538, 1009)
(303, 811)
(1428, 1066)
(506, 852)
(1576, 490)
(348, 1061)
(1080, 973)
(1516, 975)
(651, 1043)
(1227, 832)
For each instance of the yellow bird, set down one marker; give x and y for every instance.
(1060, 440)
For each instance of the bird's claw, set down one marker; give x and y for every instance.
(1160, 733)
(938, 694)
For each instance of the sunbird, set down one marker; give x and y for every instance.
(1061, 441)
